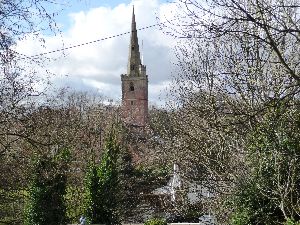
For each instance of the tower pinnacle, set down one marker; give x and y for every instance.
(134, 60)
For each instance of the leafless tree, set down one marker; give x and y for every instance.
(237, 61)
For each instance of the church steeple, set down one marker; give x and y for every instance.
(134, 85)
(134, 60)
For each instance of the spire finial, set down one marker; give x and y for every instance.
(133, 23)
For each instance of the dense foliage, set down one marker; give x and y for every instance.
(46, 203)
(270, 192)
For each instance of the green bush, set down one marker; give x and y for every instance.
(291, 222)
(156, 221)
(240, 218)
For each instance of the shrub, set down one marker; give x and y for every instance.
(291, 222)
(156, 221)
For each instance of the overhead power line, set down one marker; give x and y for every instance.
(87, 43)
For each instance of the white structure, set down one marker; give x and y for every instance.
(175, 182)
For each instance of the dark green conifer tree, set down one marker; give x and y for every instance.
(102, 186)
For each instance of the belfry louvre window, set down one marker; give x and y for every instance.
(131, 87)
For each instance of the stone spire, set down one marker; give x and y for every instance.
(134, 59)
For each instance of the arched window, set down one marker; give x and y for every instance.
(131, 87)
(132, 67)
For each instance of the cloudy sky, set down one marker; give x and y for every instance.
(98, 66)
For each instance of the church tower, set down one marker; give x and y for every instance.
(134, 84)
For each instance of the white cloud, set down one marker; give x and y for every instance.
(99, 65)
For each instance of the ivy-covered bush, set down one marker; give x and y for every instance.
(156, 221)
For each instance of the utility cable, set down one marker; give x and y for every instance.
(87, 43)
